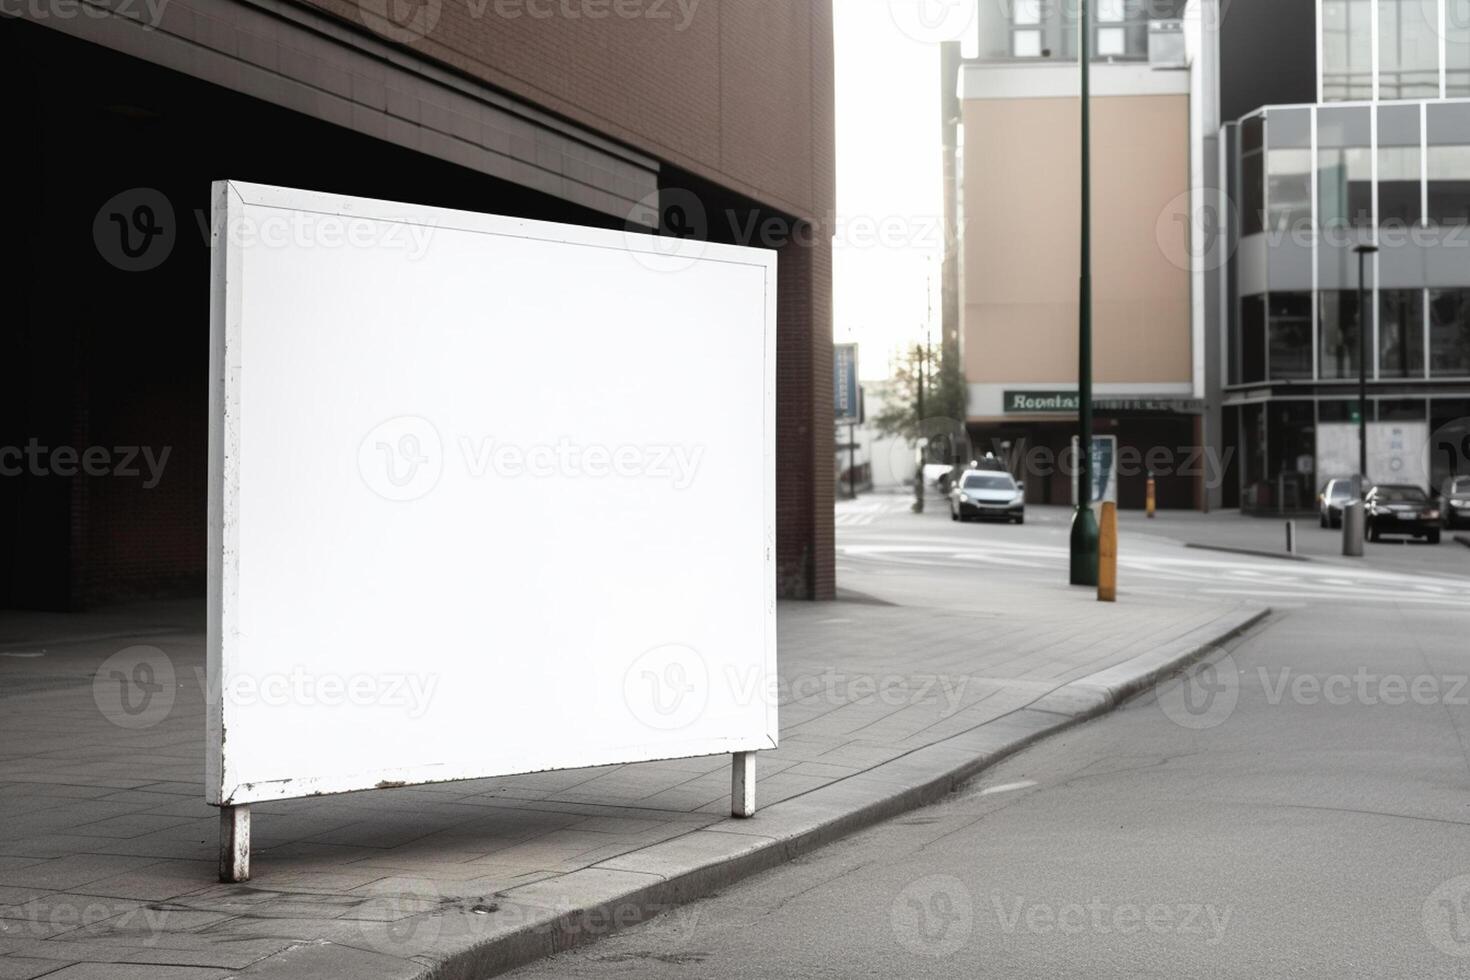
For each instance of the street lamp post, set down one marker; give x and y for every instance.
(1084, 523)
(1363, 251)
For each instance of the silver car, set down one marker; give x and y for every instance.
(987, 495)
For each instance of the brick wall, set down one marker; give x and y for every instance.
(738, 92)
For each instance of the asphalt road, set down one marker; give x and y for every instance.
(1298, 805)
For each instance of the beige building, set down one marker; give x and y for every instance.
(1019, 176)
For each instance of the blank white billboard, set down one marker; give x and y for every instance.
(487, 496)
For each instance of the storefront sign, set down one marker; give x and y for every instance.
(1065, 402)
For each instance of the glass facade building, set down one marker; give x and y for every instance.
(1383, 158)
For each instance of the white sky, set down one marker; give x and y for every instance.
(890, 198)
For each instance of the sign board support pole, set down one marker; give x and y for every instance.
(742, 784)
(234, 844)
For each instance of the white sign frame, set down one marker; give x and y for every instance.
(260, 306)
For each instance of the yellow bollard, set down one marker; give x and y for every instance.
(1107, 553)
(1152, 498)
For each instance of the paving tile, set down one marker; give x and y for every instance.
(379, 885)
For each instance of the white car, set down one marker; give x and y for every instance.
(939, 475)
(987, 494)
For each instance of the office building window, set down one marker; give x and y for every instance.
(1338, 328)
(1253, 339)
(1253, 192)
(1400, 176)
(1401, 333)
(1289, 189)
(1344, 168)
(1290, 336)
(1292, 437)
(1449, 333)
(1449, 164)
(1347, 50)
(1026, 44)
(1026, 32)
(1402, 410)
(1289, 170)
(1457, 48)
(1408, 49)
(1340, 411)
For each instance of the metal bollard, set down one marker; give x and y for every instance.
(1151, 496)
(1352, 529)
(1291, 537)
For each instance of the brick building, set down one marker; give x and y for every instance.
(705, 117)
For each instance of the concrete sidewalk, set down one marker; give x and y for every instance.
(107, 861)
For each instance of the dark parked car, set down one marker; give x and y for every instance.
(1455, 501)
(983, 494)
(1334, 494)
(1392, 508)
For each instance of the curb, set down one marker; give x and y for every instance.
(1463, 539)
(539, 919)
(1246, 551)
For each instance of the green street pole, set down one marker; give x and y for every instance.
(1084, 522)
